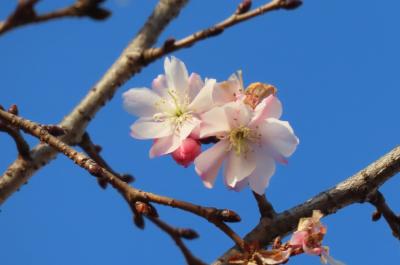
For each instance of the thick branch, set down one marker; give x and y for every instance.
(76, 122)
(356, 189)
(25, 13)
(378, 200)
(264, 206)
(131, 195)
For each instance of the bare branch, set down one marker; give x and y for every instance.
(132, 195)
(176, 235)
(378, 200)
(240, 15)
(25, 13)
(355, 189)
(76, 122)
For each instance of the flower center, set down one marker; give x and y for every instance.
(239, 139)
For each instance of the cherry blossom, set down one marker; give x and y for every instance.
(169, 112)
(309, 235)
(250, 140)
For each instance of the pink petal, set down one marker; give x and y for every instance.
(187, 127)
(269, 107)
(238, 114)
(259, 179)
(214, 122)
(176, 74)
(238, 167)
(195, 85)
(208, 163)
(203, 100)
(165, 145)
(279, 135)
(298, 238)
(145, 128)
(229, 90)
(160, 85)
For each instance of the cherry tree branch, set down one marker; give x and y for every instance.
(218, 217)
(75, 123)
(25, 13)
(378, 200)
(356, 189)
(264, 206)
(241, 14)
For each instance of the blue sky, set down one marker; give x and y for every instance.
(335, 64)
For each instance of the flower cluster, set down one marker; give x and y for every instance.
(182, 111)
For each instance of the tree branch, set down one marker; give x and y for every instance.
(132, 195)
(356, 189)
(378, 200)
(76, 122)
(241, 14)
(265, 207)
(25, 13)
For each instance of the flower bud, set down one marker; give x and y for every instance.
(187, 152)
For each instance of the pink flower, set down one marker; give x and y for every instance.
(309, 235)
(249, 141)
(169, 112)
(187, 152)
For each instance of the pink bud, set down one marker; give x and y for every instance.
(187, 152)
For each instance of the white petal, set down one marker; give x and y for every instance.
(187, 127)
(204, 99)
(261, 176)
(279, 135)
(160, 86)
(141, 102)
(238, 167)
(177, 75)
(269, 107)
(195, 85)
(208, 162)
(146, 128)
(165, 145)
(214, 122)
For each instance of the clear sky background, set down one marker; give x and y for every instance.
(335, 63)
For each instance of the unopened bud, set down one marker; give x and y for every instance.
(292, 4)
(138, 220)
(243, 7)
(13, 109)
(376, 216)
(187, 152)
(146, 209)
(229, 216)
(187, 233)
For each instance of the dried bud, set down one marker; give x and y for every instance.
(54, 130)
(146, 209)
(229, 216)
(168, 44)
(243, 7)
(187, 233)
(138, 220)
(376, 216)
(102, 183)
(292, 4)
(256, 92)
(277, 242)
(13, 109)
(127, 178)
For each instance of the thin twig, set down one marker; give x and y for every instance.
(237, 17)
(378, 200)
(93, 151)
(25, 13)
(132, 195)
(265, 207)
(176, 235)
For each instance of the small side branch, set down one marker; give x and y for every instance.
(93, 151)
(177, 234)
(378, 200)
(22, 146)
(265, 207)
(25, 13)
(242, 13)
